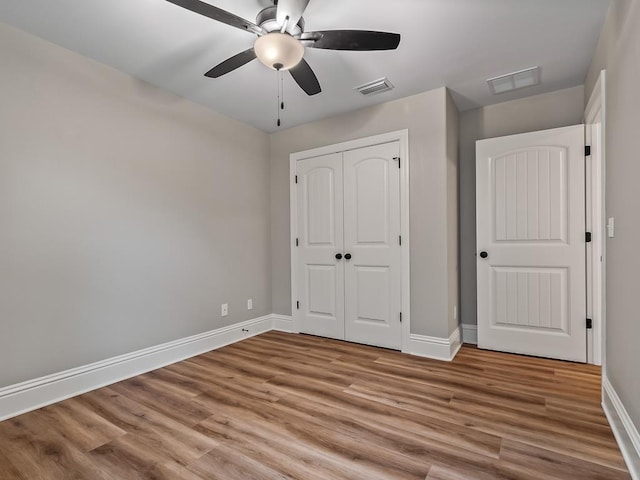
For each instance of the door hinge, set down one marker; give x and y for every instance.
(397, 159)
(400, 240)
(298, 305)
(589, 323)
(587, 237)
(587, 150)
(400, 317)
(297, 242)
(296, 178)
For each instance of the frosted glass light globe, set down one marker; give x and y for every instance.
(278, 51)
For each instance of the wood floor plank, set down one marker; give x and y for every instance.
(79, 425)
(38, 452)
(8, 468)
(181, 409)
(225, 463)
(315, 399)
(529, 423)
(468, 384)
(168, 438)
(440, 440)
(284, 349)
(124, 458)
(473, 354)
(234, 365)
(296, 407)
(571, 410)
(276, 447)
(547, 465)
(336, 442)
(171, 471)
(438, 472)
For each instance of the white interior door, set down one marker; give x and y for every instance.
(320, 238)
(371, 239)
(348, 255)
(531, 243)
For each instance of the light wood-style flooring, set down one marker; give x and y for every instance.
(282, 406)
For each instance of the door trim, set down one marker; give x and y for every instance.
(401, 136)
(594, 120)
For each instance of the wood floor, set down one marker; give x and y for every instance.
(283, 406)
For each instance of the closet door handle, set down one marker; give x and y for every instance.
(338, 256)
(347, 256)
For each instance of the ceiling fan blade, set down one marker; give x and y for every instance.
(218, 14)
(304, 76)
(292, 9)
(359, 40)
(230, 64)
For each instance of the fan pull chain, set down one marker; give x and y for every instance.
(282, 91)
(280, 102)
(280, 86)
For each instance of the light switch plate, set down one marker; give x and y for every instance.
(250, 304)
(611, 227)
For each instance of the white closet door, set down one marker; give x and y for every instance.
(320, 238)
(531, 243)
(371, 238)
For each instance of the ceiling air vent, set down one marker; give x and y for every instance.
(377, 86)
(515, 80)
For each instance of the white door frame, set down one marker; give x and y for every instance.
(402, 136)
(594, 120)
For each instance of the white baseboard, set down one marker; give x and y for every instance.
(435, 347)
(469, 333)
(282, 323)
(33, 394)
(623, 428)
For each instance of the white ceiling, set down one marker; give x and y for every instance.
(453, 43)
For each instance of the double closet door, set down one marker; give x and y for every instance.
(348, 255)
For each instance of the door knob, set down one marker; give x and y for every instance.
(338, 256)
(347, 256)
(484, 254)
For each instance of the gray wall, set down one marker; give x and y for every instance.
(453, 241)
(619, 52)
(540, 112)
(425, 116)
(127, 215)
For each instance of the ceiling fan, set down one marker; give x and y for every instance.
(282, 40)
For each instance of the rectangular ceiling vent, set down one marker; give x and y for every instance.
(513, 81)
(377, 86)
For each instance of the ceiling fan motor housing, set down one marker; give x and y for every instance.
(267, 20)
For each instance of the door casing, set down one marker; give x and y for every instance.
(401, 136)
(594, 120)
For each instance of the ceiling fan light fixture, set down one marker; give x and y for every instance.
(278, 51)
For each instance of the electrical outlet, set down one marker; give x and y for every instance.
(455, 312)
(250, 304)
(224, 310)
